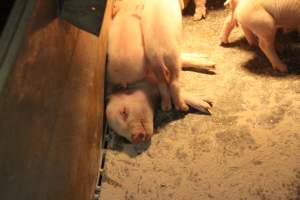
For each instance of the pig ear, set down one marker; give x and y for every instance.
(124, 114)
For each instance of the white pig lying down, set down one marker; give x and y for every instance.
(200, 9)
(130, 112)
(259, 20)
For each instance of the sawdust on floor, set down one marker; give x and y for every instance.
(249, 148)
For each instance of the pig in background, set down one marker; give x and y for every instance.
(259, 20)
(200, 8)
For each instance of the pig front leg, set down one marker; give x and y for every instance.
(174, 86)
(166, 104)
(228, 26)
(200, 11)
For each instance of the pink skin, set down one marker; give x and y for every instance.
(126, 60)
(259, 20)
(161, 27)
(130, 111)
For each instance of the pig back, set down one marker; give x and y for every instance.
(286, 13)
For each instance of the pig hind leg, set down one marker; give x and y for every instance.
(263, 26)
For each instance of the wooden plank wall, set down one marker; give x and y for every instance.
(51, 111)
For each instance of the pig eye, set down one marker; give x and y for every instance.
(124, 114)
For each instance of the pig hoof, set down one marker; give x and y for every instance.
(281, 68)
(200, 13)
(182, 107)
(223, 41)
(210, 103)
(166, 107)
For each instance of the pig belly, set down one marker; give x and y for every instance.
(126, 52)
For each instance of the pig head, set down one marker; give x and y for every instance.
(130, 112)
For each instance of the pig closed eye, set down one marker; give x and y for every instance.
(124, 114)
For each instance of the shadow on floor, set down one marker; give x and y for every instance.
(289, 51)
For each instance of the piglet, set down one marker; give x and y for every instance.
(126, 59)
(259, 20)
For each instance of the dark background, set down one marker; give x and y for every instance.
(5, 8)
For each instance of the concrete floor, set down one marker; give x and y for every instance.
(249, 148)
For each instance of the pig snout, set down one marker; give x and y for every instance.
(140, 132)
(138, 138)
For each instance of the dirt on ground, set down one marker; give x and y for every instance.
(248, 148)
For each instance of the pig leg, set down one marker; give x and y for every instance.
(196, 62)
(229, 24)
(251, 38)
(175, 90)
(200, 11)
(196, 102)
(263, 25)
(165, 96)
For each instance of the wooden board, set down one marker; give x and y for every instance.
(51, 111)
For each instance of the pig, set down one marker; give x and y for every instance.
(126, 59)
(259, 20)
(130, 112)
(161, 27)
(200, 9)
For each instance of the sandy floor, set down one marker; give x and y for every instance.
(249, 148)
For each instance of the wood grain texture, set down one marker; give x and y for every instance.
(51, 111)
